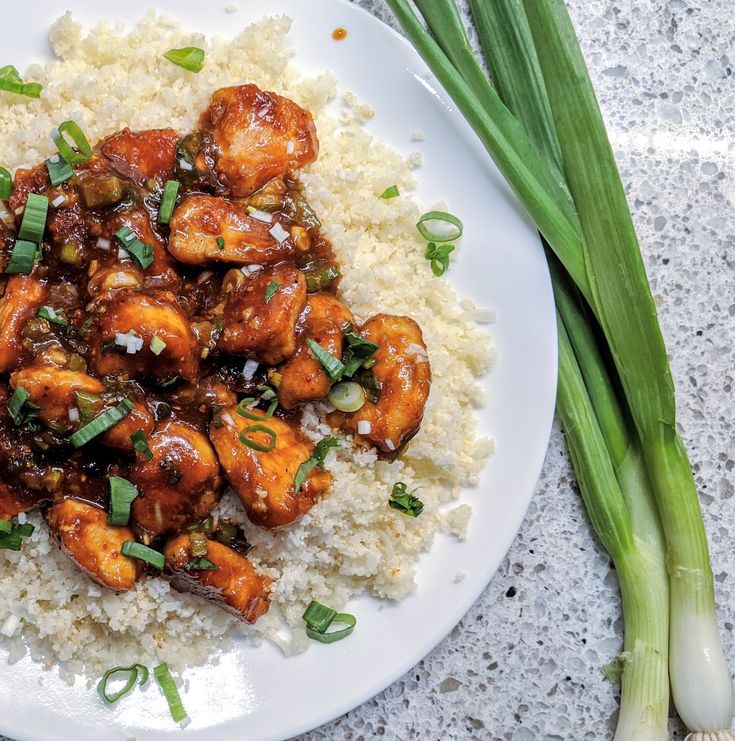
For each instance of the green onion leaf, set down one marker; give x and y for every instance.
(6, 184)
(33, 224)
(189, 58)
(201, 564)
(11, 82)
(15, 404)
(12, 534)
(319, 619)
(122, 494)
(103, 422)
(51, 315)
(170, 692)
(168, 204)
(25, 530)
(220, 243)
(320, 278)
(358, 352)
(132, 673)
(439, 256)
(59, 170)
(140, 251)
(84, 148)
(333, 367)
(198, 543)
(347, 396)
(157, 345)
(390, 192)
(315, 459)
(143, 553)
(5, 526)
(22, 257)
(245, 440)
(404, 501)
(246, 405)
(439, 226)
(271, 290)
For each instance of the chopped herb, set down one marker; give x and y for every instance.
(216, 414)
(245, 440)
(170, 692)
(246, 405)
(190, 58)
(174, 473)
(166, 210)
(439, 256)
(140, 443)
(358, 351)
(370, 382)
(332, 366)
(131, 673)
(315, 459)
(221, 243)
(171, 381)
(143, 553)
(12, 534)
(80, 141)
(439, 226)
(73, 597)
(319, 619)
(201, 564)
(390, 192)
(122, 494)
(157, 345)
(22, 257)
(51, 315)
(271, 290)
(6, 184)
(59, 170)
(11, 82)
(404, 501)
(103, 422)
(33, 223)
(141, 252)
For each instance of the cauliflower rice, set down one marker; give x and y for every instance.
(350, 542)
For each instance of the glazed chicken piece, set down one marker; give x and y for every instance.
(141, 155)
(264, 481)
(149, 315)
(403, 370)
(95, 546)
(24, 295)
(54, 390)
(258, 136)
(259, 328)
(303, 378)
(234, 583)
(179, 485)
(201, 220)
(15, 499)
(103, 280)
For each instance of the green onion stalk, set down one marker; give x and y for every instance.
(541, 61)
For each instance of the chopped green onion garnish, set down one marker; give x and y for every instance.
(168, 204)
(201, 564)
(5, 526)
(143, 553)
(11, 82)
(439, 226)
(59, 170)
(216, 413)
(15, 404)
(140, 443)
(33, 224)
(271, 290)
(358, 352)
(246, 405)
(73, 597)
(347, 396)
(390, 192)
(315, 459)
(101, 423)
(220, 243)
(12, 539)
(157, 345)
(51, 315)
(80, 141)
(439, 256)
(267, 392)
(25, 530)
(122, 494)
(319, 619)
(245, 440)
(140, 251)
(404, 501)
(333, 367)
(198, 542)
(170, 692)
(189, 58)
(131, 673)
(6, 184)
(22, 257)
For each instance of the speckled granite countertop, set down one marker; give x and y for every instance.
(525, 663)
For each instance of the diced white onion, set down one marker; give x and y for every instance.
(290, 148)
(263, 112)
(250, 269)
(11, 624)
(122, 253)
(364, 427)
(204, 276)
(279, 233)
(53, 160)
(482, 316)
(54, 134)
(261, 215)
(58, 201)
(103, 244)
(19, 210)
(249, 369)
(389, 444)
(130, 342)
(227, 418)
(73, 414)
(184, 165)
(51, 312)
(130, 237)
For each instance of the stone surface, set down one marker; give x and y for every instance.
(525, 663)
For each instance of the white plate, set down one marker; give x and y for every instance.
(256, 693)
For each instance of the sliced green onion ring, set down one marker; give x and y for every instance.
(59, 170)
(22, 257)
(190, 58)
(80, 141)
(390, 192)
(11, 82)
(33, 224)
(122, 494)
(101, 423)
(439, 226)
(133, 673)
(347, 396)
(5, 526)
(333, 367)
(6, 184)
(247, 405)
(157, 345)
(271, 290)
(245, 440)
(170, 692)
(319, 619)
(168, 204)
(133, 549)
